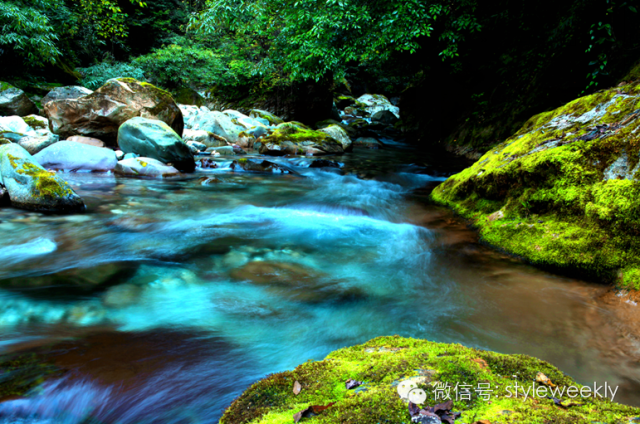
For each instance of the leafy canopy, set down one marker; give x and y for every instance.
(312, 38)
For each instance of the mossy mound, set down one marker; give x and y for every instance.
(562, 192)
(302, 137)
(382, 363)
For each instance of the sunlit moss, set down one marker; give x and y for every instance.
(546, 172)
(383, 362)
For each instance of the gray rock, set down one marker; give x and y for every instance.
(268, 116)
(14, 124)
(200, 147)
(223, 150)
(340, 136)
(204, 137)
(155, 139)
(378, 102)
(37, 122)
(35, 143)
(119, 154)
(63, 93)
(130, 156)
(145, 167)
(73, 156)
(218, 124)
(14, 101)
(384, 117)
(32, 187)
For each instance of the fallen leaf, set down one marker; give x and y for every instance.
(559, 403)
(296, 388)
(352, 384)
(483, 364)
(310, 411)
(543, 379)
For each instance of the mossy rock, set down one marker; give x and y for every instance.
(562, 192)
(384, 362)
(188, 96)
(22, 374)
(345, 101)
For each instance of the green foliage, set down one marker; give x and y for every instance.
(27, 28)
(310, 39)
(95, 76)
(187, 63)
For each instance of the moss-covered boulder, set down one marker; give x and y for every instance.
(14, 101)
(340, 135)
(155, 139)
(290, 138)
(273, 119)
(562, 191)
(101, 113)
(32, 187)
(351, 132)
(384, 363)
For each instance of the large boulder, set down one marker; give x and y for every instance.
(101, 113)
(384, 117)
(398, 371)
(291, 139)
(65, 93)
(32, 187)
(14, 101)
(72, 156)
(145, 167)
(155, 139)
(377, 102)
(563, 191)
(340, 135)
(190, 112)
(220, 124)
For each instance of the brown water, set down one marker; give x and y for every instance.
(168, 298)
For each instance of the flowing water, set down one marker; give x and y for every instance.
(168, 298)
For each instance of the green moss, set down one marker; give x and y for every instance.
(5, 86)
(292, 132)
(21, 374)
(545, 172)
(33, 122)
(383, 362)
(45, 184)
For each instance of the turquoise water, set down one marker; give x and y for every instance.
(168, 298)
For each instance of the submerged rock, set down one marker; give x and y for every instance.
(72, 156)
(155, 139)
(101, 113)
(386, 362)
(14, 101)
(145, 167)
(567, 184)
(32, 187)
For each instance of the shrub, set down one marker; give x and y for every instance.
(95, 76)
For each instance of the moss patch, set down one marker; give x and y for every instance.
(33, 122)
(385, 361)
(45, 184)
(566, 184)
(21, 374)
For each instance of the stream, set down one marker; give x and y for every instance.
(167, 299)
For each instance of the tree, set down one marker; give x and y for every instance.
(312, 38)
